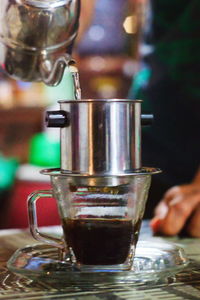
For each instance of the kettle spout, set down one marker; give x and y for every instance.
(52, 75)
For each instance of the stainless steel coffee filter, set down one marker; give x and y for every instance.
(99, 137)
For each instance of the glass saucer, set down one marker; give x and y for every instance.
(153, 261)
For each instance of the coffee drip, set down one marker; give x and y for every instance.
(99, 137)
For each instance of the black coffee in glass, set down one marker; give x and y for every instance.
(99, 241)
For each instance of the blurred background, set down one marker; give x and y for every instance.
(107, 56)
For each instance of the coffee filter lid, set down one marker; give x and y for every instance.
(102, 179)
(60, 172)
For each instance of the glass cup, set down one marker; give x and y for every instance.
(100, 216)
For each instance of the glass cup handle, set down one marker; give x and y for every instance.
(33, 223)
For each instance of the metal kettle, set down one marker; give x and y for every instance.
(36, 38)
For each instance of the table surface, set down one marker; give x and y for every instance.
(185, 286)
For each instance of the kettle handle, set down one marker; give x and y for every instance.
(61, 118)
(147, 119)
(57, 118)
